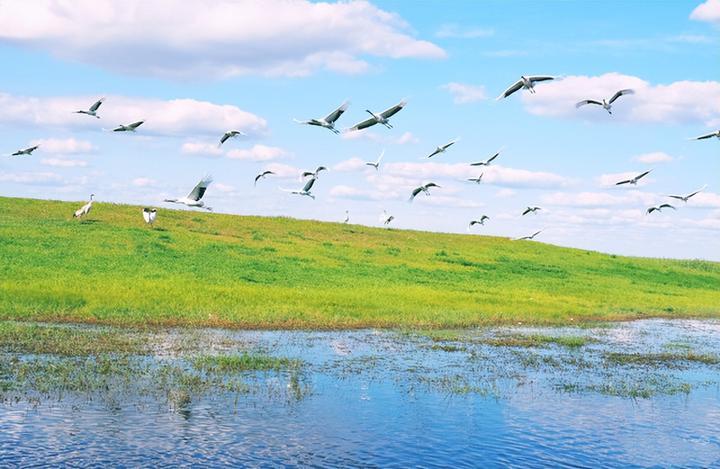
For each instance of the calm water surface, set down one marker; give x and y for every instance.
(387, 399)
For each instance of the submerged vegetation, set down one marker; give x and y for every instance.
(204, 269)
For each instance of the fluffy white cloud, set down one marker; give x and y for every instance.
(347, 192)
(201, 148)
(353, 164)
(653, 158)
(404, 139)
(708, 11)
(64, 162)
(599, 199)
(40, 178)
(283, 171)
(217, 38)
(68, 146)
(680, 101)
(451, 30)
(257, 153)
(463, 93)
(162, 117)
(144, 182)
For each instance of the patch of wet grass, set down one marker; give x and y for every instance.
(242, 362)
(537, 340)
(668, 359)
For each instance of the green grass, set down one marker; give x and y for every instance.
(243, 362)
(204, 269)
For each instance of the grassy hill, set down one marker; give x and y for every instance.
(209, 269)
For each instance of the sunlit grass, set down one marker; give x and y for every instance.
(206, 269)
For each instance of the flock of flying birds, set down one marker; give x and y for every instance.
(194, 198)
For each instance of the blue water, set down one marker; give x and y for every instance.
(383, 399)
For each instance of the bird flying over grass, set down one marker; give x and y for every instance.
(531, 237)
(305, 191)
(481, 221)
(193, 199)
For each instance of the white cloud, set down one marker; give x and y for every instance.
(353, 193)
(283, 171)
(451, 30)
(216, 38)
(201, 148)
(66, 146)
(353, 164)
(226, 188)
(598, 199)
(144, 182)
(404, 139)
(653, 158)
(708, 11)
(257, 153)
(162, 117)
(705, 200)
(677, 102)
(463, 93)
(63, 162)
(40, 178)
(505, 193)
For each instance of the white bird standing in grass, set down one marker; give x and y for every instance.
(658, 208)
(262, 176)
(26, 151)
(715, 134)
(128, 128)
(443, 148)
(531, 237)
(685, 198)
(424, 188)
(347, 217)
(93, 109)
(385, 218)
(85, 209)
(634, 181)
(376, 164)
(524, 82)
(531, 210)
(327, 122)
(481, 221)
(230, 134)
(305, 190)
(605, 103)
(381, 118)
(149, 215)
(488, 161)
(315, 173)
(193, 199)
(477, 180)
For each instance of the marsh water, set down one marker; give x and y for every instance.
(638, 394)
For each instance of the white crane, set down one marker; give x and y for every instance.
(478, 179)
(149, 215)
(92, 111)
(327, 122)
(385, 218)
(381, 118)
(424, 188)
(262, 176)
(85, 209)
(376, 164)
(26, 151)
(524, 82)
(658, 208)
(481, 221)
(347, 217)
(315, 173)
(488, 161)
(531, 237)
(443, 148)
(305, 190)
(230, 134)
(715, 134)
(532, 210)
(193, 199)
(685, 198)
(128, 128)
(605, 103)
(634, 180)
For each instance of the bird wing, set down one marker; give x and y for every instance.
(97, 105)
(620, 93)
(433, 153)
(527, 210)
(224, 138)
(449, 144)
(484, 217)
(679, 197)
(667, 206)
(309, 185)
(651, 210)
(587, 101)
(627, 181)
(702, 137)
(146, 215)
(199, 190)
(492, 158)
(364, 124)
(320, 168)
(431, 184)
(535, 78)
(393, 110)
(258, 177)
(643, 174)
(335, 115)
(536, 233)
(306, 174)
(32, 149)
(135, 125)
(511, 89)
(415, 192)
(380, 157)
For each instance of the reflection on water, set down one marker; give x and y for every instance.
(375, 398)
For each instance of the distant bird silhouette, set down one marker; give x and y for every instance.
(634, 180)
(442, 148)
(305, 190)
(376, 164)
(710, 135)
(531, 210)
(315, 173)
(262, 176)
(26, 151)
(477, 180)
(659, 208)
(488, 161)
(424, 188)
(685, 198)
(230, 134)
(532, 236)
(481, 221)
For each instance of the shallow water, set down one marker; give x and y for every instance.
(384, 398)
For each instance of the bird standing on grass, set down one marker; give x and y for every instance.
(149, 215)
(85, 209)
(347, 217)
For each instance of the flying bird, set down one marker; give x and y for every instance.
(481, 221)
(305, 190)
(710, 135)
(488, 161)
(531, 209)
(524, 82)
(262, 176)
(149, 215)
(532, 236)
(634, 180)
(128, 128)
(685, 198)
(385, 218)
(605, 103)
(347, 217)
(442, 148)
(659, 208)
(315, 173)
(85, 209)
(376, 164)
(423, 188)
(329, 121)
(193, 199)
(92, 111)
(477, 179)
(382, 118)
(230, 134)
(27, 151)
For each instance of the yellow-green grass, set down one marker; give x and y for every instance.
(204, 269)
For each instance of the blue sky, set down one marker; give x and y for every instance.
(194, 71)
